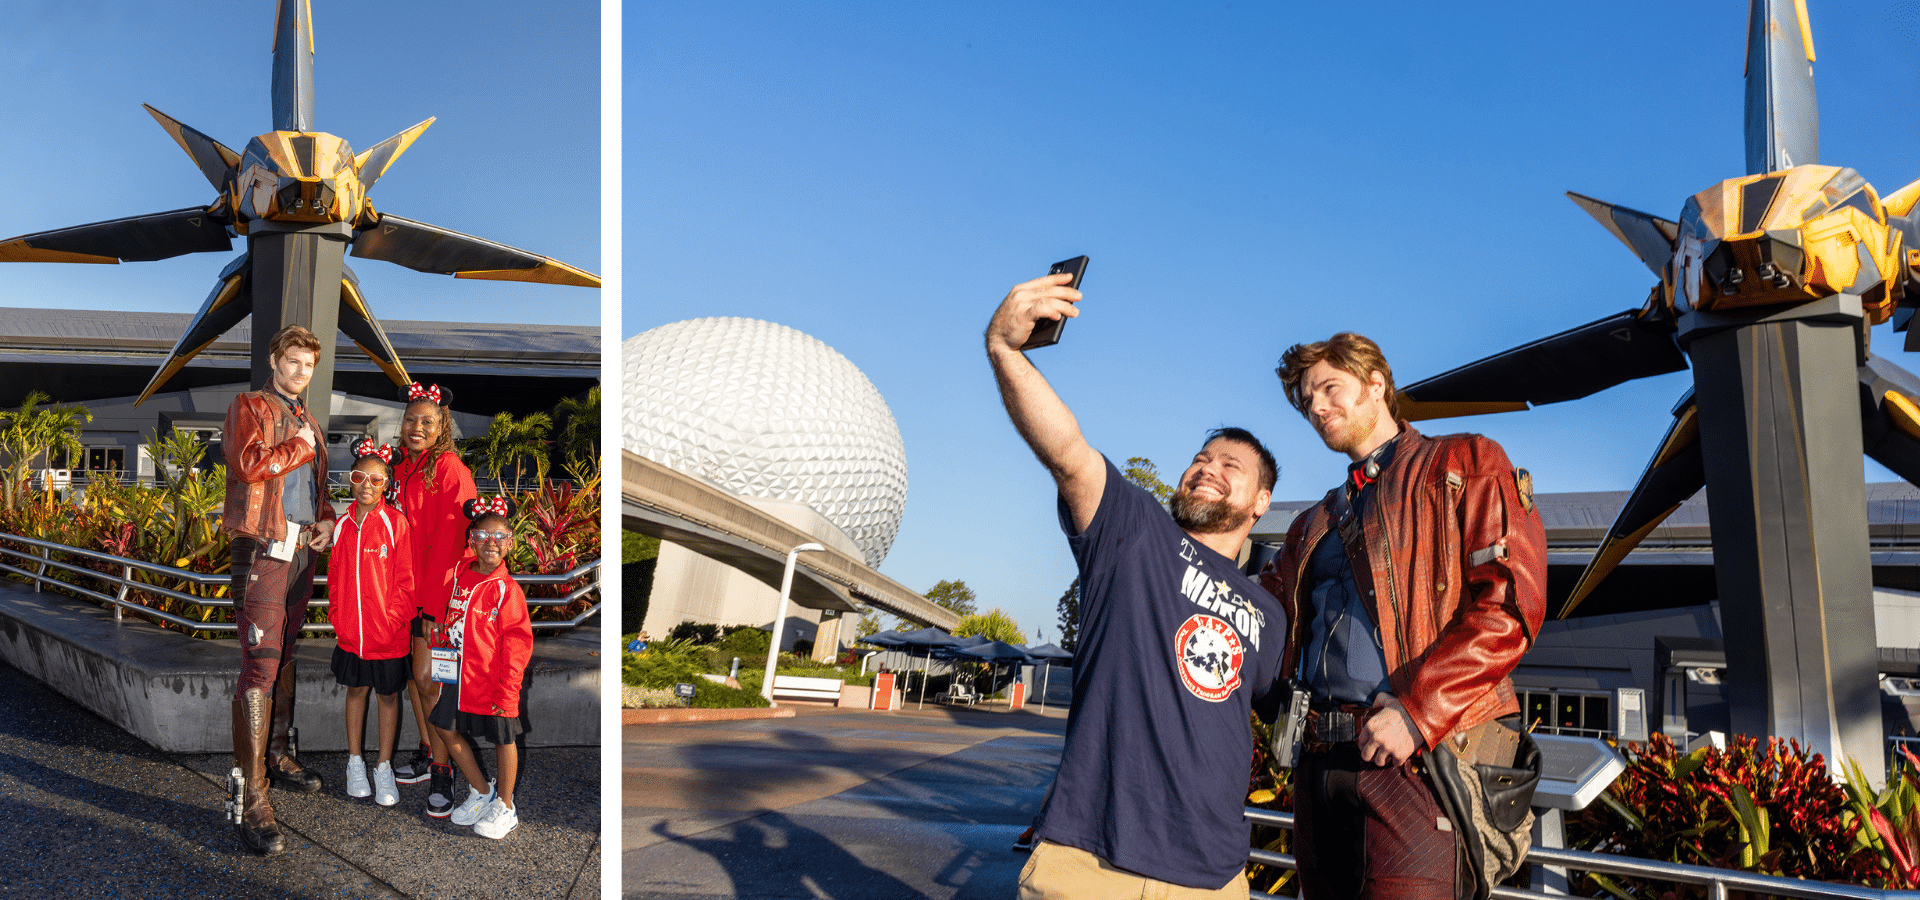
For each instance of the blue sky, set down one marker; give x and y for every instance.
(514, 156)
(1244, 176)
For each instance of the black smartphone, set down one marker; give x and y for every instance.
(1046, 332)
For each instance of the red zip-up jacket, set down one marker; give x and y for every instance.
(439, 527)
(495, 635)
(370, 584)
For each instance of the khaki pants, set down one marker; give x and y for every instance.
(1059, 872)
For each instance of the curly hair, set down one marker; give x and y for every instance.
(1349, 352)
(443, 443)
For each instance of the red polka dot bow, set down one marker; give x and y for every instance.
(418, 391)
(364, 448)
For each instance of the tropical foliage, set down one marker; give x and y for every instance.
(510, 444)
(993, 624)
(36, 432)
(1774, 810)
(579, 437)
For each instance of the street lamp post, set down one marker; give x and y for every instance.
(780, 615)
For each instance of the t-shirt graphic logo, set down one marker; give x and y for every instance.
(1209, 654)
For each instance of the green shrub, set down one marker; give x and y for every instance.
(747, 642)
(695, 632)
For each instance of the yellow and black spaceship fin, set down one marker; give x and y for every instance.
(430, 248)
(1676, 473)
(1566, 366)
(374, 161)
(1648, 236)
(217, 162)
(359, 325)
(160, 235)
(230, 301)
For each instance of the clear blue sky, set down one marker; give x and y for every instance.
(1244, 175)
(514, 156)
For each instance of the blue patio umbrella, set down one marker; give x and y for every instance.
(1051, 655)
(927, 639)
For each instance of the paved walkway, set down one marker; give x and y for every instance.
(88, 811)
(834, 804)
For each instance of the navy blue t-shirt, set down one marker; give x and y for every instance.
(1175, 648)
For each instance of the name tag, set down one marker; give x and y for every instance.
(284, 550)
(446, 665)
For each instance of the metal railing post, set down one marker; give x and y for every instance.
(46, 556)
(126, 587)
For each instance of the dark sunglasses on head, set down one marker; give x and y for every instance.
(359, 477)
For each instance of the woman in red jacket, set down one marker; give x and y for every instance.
(369, 601)
(429, 485)
(491, 639)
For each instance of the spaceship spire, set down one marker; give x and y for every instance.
(293, 66)
(1783, 118)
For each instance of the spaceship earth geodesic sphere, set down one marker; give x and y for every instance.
(765, 411)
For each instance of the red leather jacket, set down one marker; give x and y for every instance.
(259, 446)
(1455, 576)
(488, 614)
(370, 584)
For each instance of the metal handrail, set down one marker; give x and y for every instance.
(123, 584)
(1718, 881)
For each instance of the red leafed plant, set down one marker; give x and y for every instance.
(1776, 811)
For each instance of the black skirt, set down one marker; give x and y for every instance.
(385, 676)
(496, 730)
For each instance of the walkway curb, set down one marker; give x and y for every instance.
(674, 716)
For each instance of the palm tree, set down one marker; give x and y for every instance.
(32, 432)
(510, 442)
(580, 437)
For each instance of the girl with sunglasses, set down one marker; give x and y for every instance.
(429, 485)
(370, 600)
(490, 639)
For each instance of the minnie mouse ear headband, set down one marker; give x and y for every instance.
(497, 506)
(364, 448)
(433, 393)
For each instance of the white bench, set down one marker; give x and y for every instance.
(795, 687)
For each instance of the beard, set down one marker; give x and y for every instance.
(1354, 430)
(1206, 516)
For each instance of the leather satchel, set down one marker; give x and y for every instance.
(1484, 778)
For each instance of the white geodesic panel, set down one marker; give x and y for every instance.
(766, 411)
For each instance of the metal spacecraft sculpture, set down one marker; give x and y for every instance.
(1768, 284)
(299, 197)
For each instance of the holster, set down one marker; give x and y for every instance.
(1484, 778)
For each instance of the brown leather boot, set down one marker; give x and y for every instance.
(282, 767)
(252, 716)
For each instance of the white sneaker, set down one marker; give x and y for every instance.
(357, 778)
(469, 812)
(385, 792)
(497, 820)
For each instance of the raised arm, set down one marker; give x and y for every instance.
(1037, 412)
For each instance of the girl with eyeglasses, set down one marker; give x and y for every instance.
(370, 600)
(480, 656)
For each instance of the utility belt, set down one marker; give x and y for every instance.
(1334, 723)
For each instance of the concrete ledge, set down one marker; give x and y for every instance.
(175, 692)
(671, 716)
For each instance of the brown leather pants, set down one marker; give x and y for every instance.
(1361, 831)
